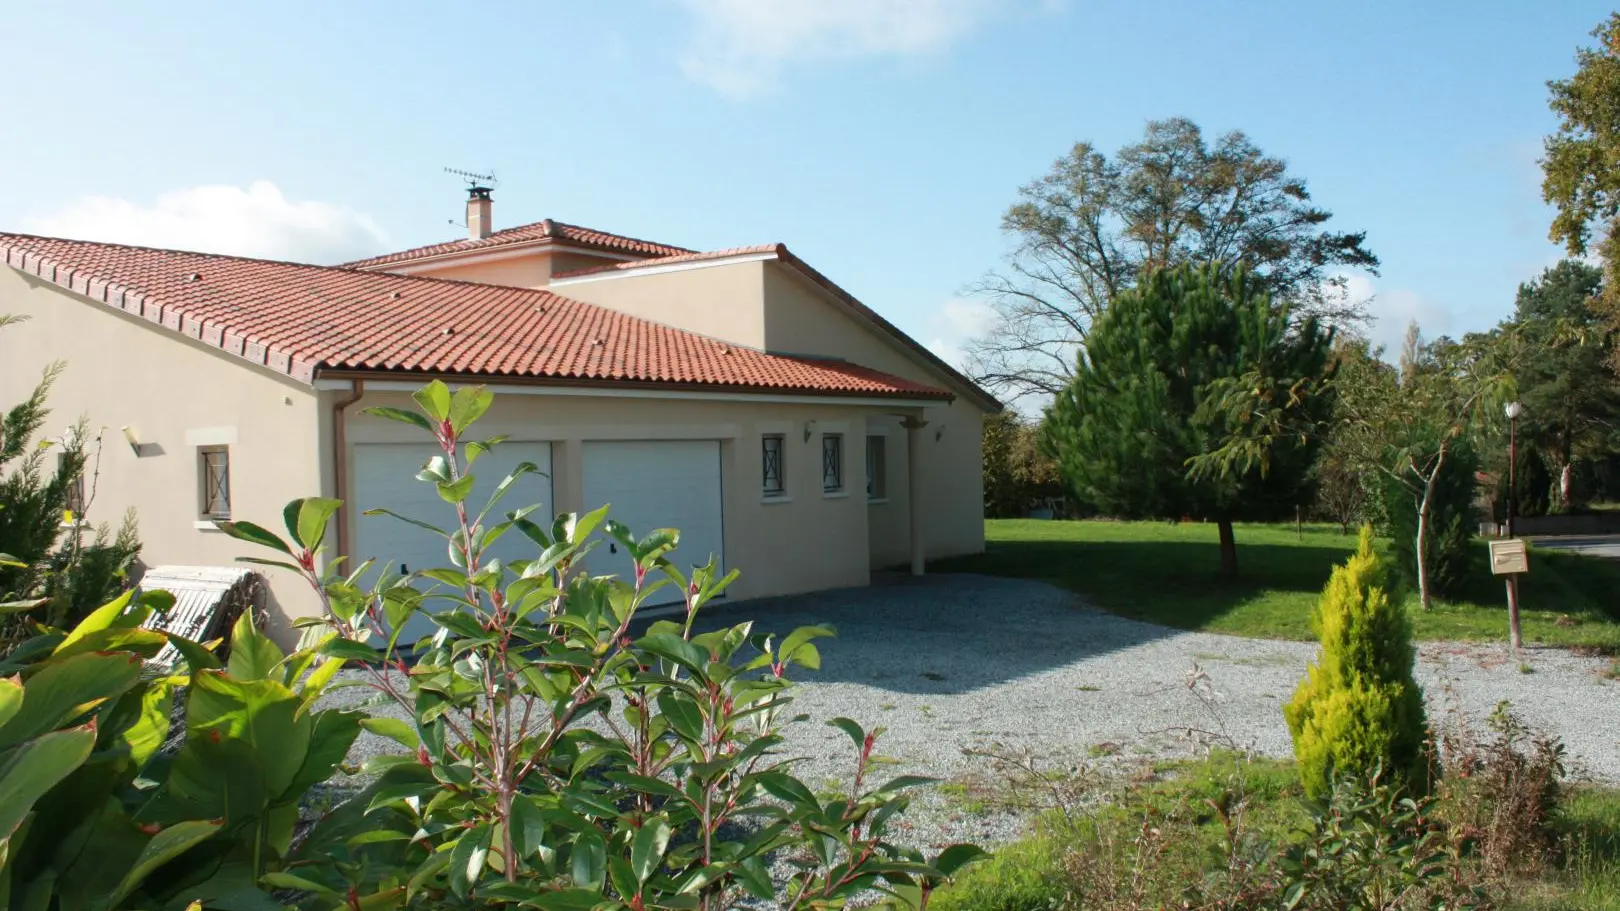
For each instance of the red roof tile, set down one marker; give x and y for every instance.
(539, 232)
(301, 319)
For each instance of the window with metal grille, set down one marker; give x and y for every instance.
(832, 462)
(877, 481)
(772, 465)
(214, 471)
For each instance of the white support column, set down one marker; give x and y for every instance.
(914, 446)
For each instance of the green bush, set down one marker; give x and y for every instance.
(95, 815)
(1453, 520)
(1359, 708)
(551, 758)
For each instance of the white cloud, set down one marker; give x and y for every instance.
(256, 221)
(741, 47)
(1393, 309)
(953, 324)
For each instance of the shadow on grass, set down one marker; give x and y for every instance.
(1175, 583)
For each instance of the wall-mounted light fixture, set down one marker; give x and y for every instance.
(809, 429)
(939, 433)
(133, 438)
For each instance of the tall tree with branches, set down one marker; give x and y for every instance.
(1140, 404)
(1404, 423)
(1086, 231)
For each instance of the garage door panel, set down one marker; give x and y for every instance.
(385, 477)
(657, 484)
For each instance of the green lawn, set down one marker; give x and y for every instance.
(1168, 573)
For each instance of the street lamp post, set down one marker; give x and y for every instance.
(1515, 410)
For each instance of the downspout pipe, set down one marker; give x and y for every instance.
(340, 461)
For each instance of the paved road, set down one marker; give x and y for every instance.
(1586, 545)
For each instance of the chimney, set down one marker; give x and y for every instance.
(479, 204)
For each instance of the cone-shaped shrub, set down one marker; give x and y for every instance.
(1359, 709)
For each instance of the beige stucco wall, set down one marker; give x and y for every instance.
(123, 370)
(721, 302)
(531, 268)
(808, 543)
(771, 306)
(530, 271)
(800, 317)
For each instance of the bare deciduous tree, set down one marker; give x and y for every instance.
(1087, 229)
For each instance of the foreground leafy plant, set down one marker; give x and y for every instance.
(93, 815)
(551, 758)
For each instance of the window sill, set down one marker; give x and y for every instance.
(877, 501)
(772, 499)
(207, 524)
(835, 494)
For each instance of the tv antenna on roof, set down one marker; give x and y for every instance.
(486, 181)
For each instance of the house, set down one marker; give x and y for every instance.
(738, 395)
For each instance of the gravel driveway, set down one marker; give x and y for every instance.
(953, 662)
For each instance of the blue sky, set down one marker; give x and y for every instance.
(880, 139)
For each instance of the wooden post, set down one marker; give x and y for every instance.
(1514, 635)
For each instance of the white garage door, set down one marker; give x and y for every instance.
(657, 484)
(385, 477)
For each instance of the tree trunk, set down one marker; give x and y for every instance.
(1423, 529)
(1229, 564)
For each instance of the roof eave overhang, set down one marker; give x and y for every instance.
(378, 379)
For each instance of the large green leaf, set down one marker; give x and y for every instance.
(468, 405)
(394, 729)
(261, 713)
(35, 767)
(140, 721)
(63, 690)
(331, 736)
(211, 779)
(648, 847)
(589, 861)
(99, 619)
(254, 534)
(11, 697)
(434, 398)
(402, 416)
(306, 519)
(253, 655)
(164, 847)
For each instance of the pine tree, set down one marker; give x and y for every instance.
(1359, 710)
(1145, 396)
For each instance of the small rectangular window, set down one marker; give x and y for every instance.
(832, 462)
(73, 504)
(771, 454)
(214, 473)
(876, 468)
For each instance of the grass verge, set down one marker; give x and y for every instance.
(1168, 573)
(1146, 845)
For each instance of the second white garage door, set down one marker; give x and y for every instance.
(658, 484)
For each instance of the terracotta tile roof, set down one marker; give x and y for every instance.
(300, 320)
(788, 258)
(539, 232)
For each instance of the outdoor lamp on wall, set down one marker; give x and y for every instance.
(133, 438)
(809, 428)
(939, 433)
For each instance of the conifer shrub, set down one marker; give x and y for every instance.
(1359, 710)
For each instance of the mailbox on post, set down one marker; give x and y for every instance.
(1509, 557)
